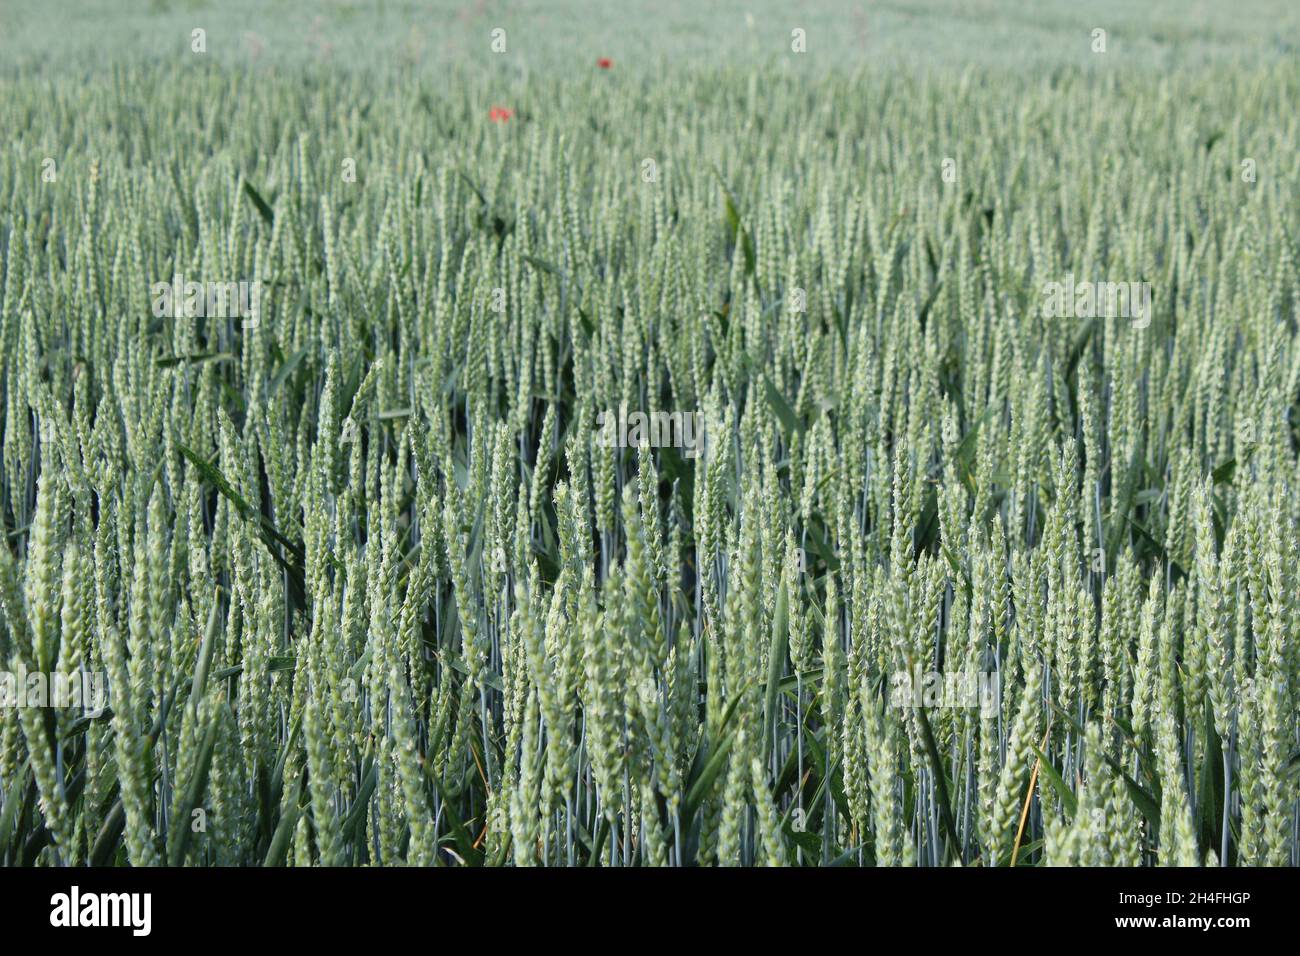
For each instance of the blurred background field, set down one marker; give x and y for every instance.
(647, 35)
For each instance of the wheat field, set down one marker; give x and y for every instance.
(679, 437)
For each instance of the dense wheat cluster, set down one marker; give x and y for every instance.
(938, 578)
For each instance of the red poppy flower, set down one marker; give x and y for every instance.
(604, 63)
(499, 114)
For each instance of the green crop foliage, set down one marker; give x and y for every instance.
(680, 462)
